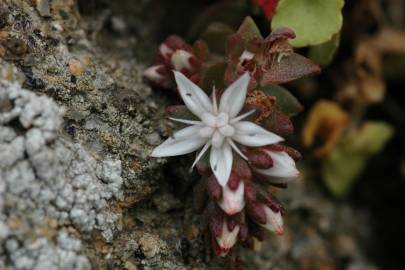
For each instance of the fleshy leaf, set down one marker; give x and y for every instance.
(348, 159)
(285, 101)
(278, 123)
(313, 21)
(248, 30)
(216, 36)
(323, 54)
(289, 68)
(213, 75)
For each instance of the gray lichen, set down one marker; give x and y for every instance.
(46, 182)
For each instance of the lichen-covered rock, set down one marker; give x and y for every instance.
(47, 182)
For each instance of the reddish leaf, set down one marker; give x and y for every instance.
(279, 123)
(288, 68)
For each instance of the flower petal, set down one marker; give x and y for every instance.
(250, 134)
(194, 98)
(283, 167)
(182, 142)
(233, 98)
(221, 162)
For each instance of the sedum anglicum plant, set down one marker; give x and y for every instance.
(242, 159)
(219, 127)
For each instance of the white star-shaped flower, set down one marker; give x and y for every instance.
(219, 127)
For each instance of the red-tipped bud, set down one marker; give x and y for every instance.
(283, 169)
(232, 201)
(274, 221)
(227, 239)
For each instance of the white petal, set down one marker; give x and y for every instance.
(233, 98)
(206, 132)
(283, 167)
(232, 202)
(250, 134)
(228, 238)
(194, 98)
(182, 142)
(274, 221)
(221, 162)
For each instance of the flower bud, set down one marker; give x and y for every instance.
(283, 167)
(274, 220)
(157, 74)
(227, 239)
(181, 60)
(232, 201)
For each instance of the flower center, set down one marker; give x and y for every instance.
(217, 127)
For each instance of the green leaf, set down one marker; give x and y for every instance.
(248, 30)
(213, 75)
(349, 158)
(313, 21)
(323, 54)
(216, 36)
(285, 101)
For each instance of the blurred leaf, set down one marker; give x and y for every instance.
(348, 159)
(285, 101)
(327, 120)
(230, 12)
(248, 30)
(323, 54)
(216, 36)
(279, 123)
(213, 75)
(313, 21)
(289, 68)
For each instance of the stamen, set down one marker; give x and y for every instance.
(202, 152)
(237, 150)
(185, 121)
(240, 117)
